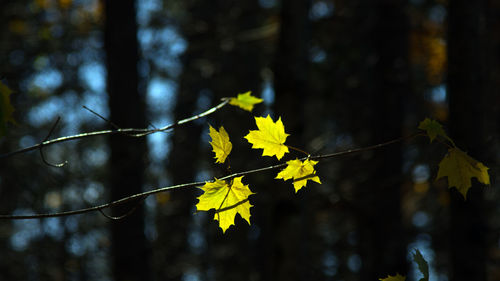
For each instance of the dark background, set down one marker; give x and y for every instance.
(341, 74)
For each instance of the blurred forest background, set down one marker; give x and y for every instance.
(341, 74)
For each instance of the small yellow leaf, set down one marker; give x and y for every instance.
(433, 129)
(396, 277)
(270, 136)
(220, 144)
(227, 200)
(460, 168)
(300, 172)
(245, 101)
(6, 108)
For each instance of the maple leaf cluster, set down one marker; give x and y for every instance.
(230, 197)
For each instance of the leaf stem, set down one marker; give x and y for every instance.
(297, 149)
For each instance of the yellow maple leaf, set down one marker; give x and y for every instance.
(227, 200)
(460, 168)
(220, 144)
(6, 108)
(270, 136)
(396, 277)
(245, 101)
(300, 172)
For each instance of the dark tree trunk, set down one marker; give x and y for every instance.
(382, 243)
(469, 119)
(182, 166)
(130, 252)
(287, 226)
(176, 217)
(290, 71)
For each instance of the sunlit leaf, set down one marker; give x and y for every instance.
(227, 200)
(300, 172)
(270, 136)
(220, 144)
(245, 101)
(460, 168)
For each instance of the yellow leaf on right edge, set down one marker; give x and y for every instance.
(270, 136)
(245, 101)
(220, 144)
(396, 277)
(460, 168)
(300, 172)
(6, 108)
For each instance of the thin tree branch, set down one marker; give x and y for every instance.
(366, 148)
(128, 213)
(143, 195)
(42, 155)
(100, 207)
(131, 132)
(116, 127)
(102, 117)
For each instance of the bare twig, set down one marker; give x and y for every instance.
(128, 213)
(131, 132)
(143, 195)
(102, 117)
(366, 148)
(44, 140)
(100, 207)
